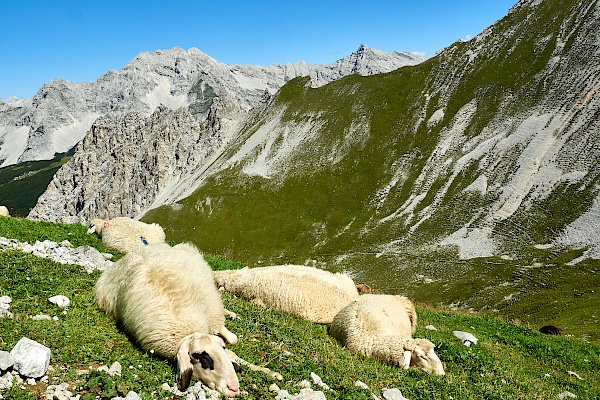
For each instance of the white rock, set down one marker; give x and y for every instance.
(40, 317)
(466, 338)
(393, 394)
(361, 384)
(60, 300)
(305, 394)
(318, 381)
(6, 381)
(115, 369)
(6, 360)
(431, 328)
(59, 392)
(566, 395)
(132, 396)
(31, 358)
(303, 384)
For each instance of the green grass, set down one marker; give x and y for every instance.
(21, 185)
(509, 362)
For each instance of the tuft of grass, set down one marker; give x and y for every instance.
(509, 361)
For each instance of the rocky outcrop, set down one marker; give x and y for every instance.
(122, 168)
(61, 113)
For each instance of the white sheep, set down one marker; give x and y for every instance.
(166, 298)
(381, 327)
(311, 293)
(4, 212)
(125, 234)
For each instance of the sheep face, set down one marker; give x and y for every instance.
(96, 226)
(202, 356)
(427, 361)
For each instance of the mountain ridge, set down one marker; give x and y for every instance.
(61, 112)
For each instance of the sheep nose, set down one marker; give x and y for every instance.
(232, 391)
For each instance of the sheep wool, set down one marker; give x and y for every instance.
(381, 327)
(4, 212)
(125, 234)
(166, 298)
(311, 293)
(377, 314)
(160, 289)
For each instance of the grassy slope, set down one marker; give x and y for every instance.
(326, 212)
(21, 185)
(509, 361)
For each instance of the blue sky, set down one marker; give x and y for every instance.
(80, 40)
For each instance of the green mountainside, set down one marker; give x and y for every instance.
(451, 181)
(22, 184)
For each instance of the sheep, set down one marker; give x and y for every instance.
(381, 327)
(4, 212)
(165, 298)
(306, 292)
(125, 234)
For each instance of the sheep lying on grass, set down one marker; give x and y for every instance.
(380, 327)
(4, 212)
(165, 297)
(306, 292)
(125, 234)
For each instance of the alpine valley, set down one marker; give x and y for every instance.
(469, 179)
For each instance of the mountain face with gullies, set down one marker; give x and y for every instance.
(470, 179)
(61, 112)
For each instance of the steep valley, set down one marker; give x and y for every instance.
(468, 180)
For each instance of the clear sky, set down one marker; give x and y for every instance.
(79, 40)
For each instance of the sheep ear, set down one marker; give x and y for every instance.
(92, 229)
(184, 366)
(406, 360)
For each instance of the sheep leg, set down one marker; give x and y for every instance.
(229, 336)
(240, 361)
(406, 360)
(230, 314)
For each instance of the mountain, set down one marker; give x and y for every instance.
(469, 179)
(61, 113)
(489, 145)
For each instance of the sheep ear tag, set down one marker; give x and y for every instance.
(205, 360)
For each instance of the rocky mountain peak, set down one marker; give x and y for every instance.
(174, 77)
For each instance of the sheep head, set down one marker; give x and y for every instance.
(202, 356)
(226, 278)
(96, 226)
(422, 356)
